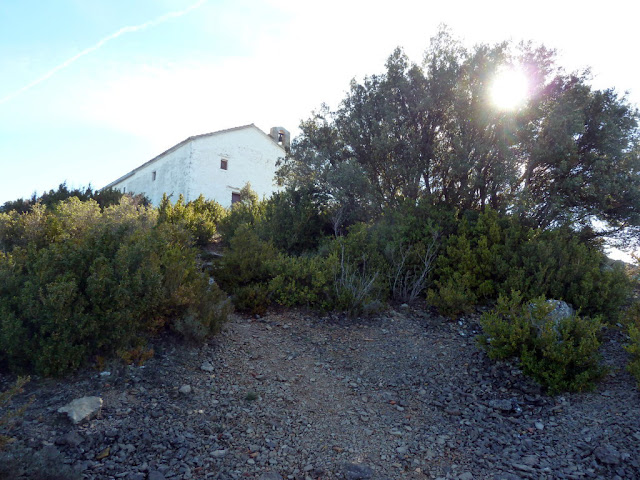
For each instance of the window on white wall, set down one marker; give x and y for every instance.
(235, 197)
(153, 176)
(224, 164)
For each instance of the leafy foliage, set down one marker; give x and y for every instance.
(246, 269)
(199, 216)
(79, 282)
(429, 131)
(294, 220)
(249, 210)
(5, 398)
(560, 353)
(104, 197)
(494, 254)
(634, 349)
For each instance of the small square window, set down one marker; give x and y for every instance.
(153, 176)
(224, 163)
(235, 197)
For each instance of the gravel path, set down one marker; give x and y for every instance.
(405, 395)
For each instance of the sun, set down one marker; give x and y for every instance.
(509, 89)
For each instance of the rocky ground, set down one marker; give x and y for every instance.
(293, 396)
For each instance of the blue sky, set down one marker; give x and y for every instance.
(201, 66)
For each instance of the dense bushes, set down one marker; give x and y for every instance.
(105, 198)
(493, 255)
(258, 276)
(461, 258)
(632, 319)
(560, 353)
(634, 349)
(76, 281)
(7, 415)
(199, 217)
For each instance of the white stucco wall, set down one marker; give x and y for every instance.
(170, 176)
(251, 157)
(193, 168)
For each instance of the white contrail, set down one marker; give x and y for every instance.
(113, 36)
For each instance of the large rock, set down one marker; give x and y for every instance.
(82, 409)
(270, 476)
(354, 471)
(561, 310)
(607, 455)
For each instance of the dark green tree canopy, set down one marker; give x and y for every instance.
(429, 132)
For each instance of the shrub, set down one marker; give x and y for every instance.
(104, 197)
(355, 286)
(491, 255)
(455, 289)
(303, 281)
(98, 287)
(561, 354)
(634, 349)
(199, 217)
(632, 319)
(246, 269)
(294, 221)
(557, 264)
(249, 210)
(5, 398)
(258, 275)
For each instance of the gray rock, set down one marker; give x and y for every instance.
(355, 471)
(270, 476)
(155, 475)
(607, 455)
(82, 409)
(465, 476)
(185, 389)
(72, 439)
(561, 310)
(502, 405)
(207, 366)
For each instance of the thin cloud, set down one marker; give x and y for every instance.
(113, 36)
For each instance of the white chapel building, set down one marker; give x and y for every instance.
(216, 165)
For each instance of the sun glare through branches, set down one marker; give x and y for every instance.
(509, 89)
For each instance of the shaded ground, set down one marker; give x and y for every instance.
(404, 395)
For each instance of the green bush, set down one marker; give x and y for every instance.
(101, 285)
(632, 320)
(249, 210)
(557, 264)
(294, 221)
(559, 353)
(491, 255)
(104, 197)
(476, 261)
(5, 418)
(246, 268)
(200, 217)
(303, 281)
(634, 349)
(257, 275)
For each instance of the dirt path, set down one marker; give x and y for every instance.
(292, 395)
